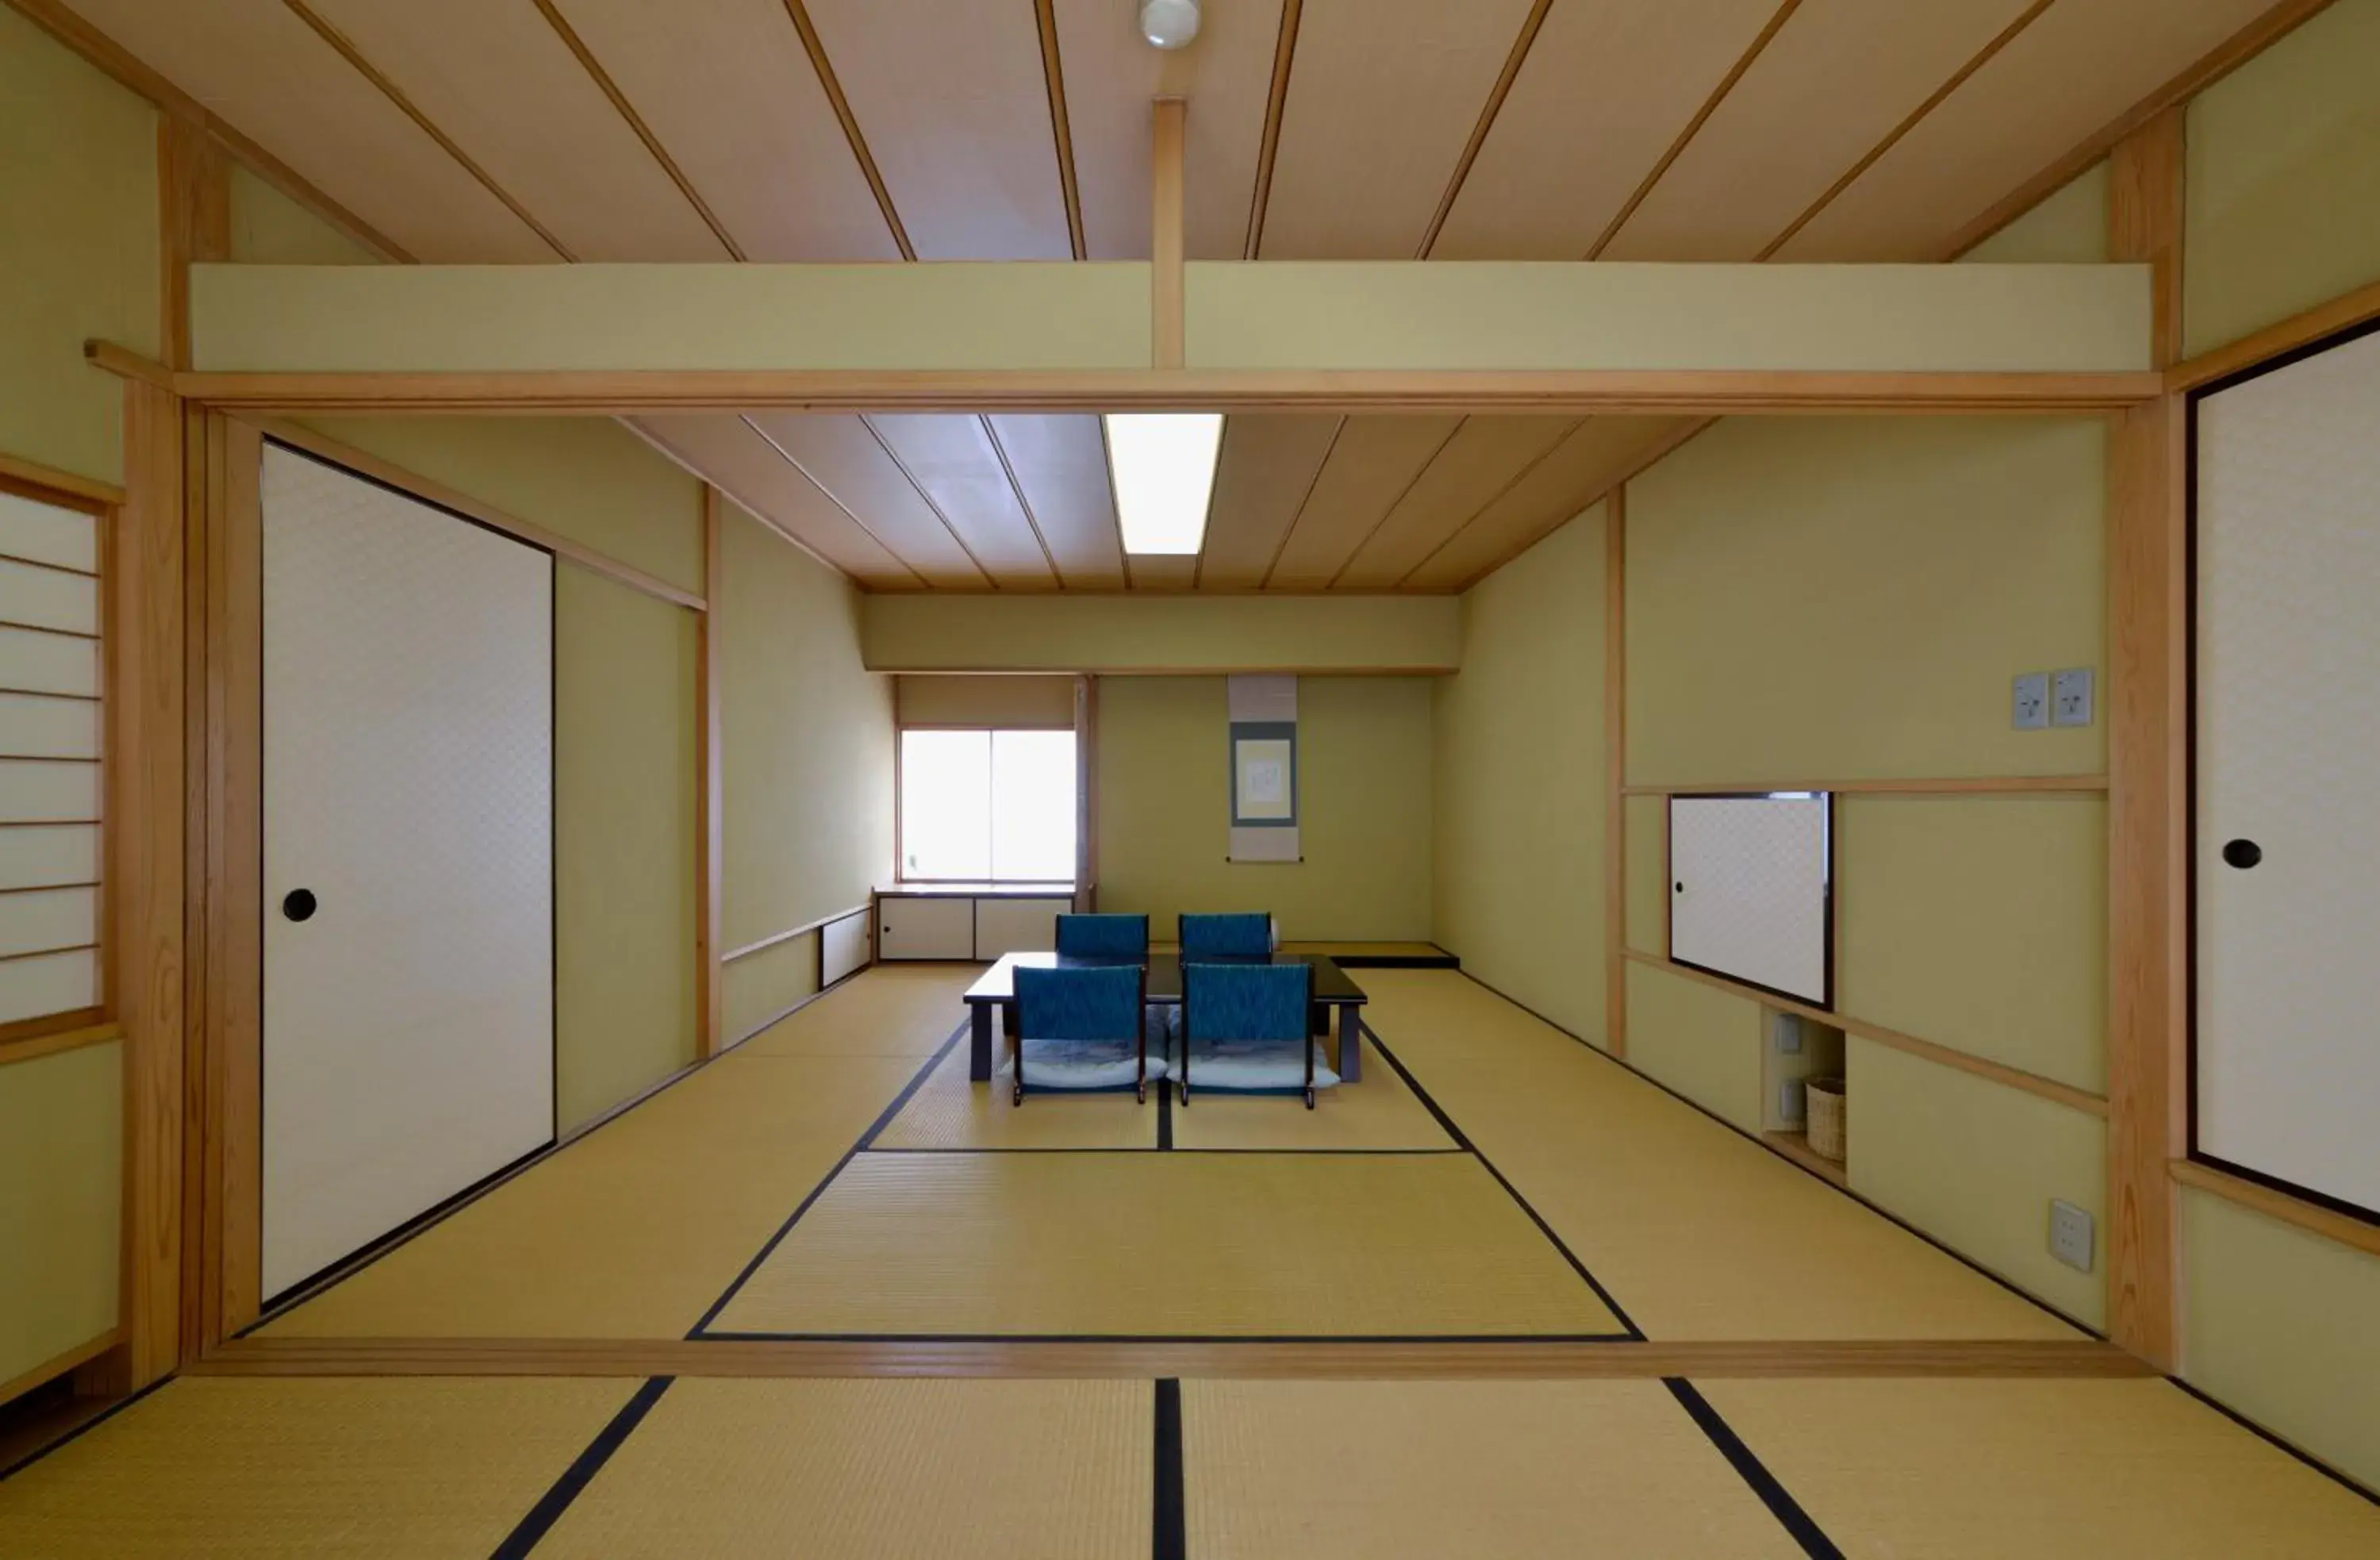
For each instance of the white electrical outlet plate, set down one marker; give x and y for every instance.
(2070, 1235)
(1791, 1103)
(2028, 707)
(2070, 697)
(1789, 1033)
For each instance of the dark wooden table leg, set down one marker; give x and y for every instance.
(979, 1051)
(1350, 1063)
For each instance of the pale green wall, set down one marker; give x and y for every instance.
(1364, 807)
(1518, 835)
(269, 228)
(2283, 208)
(79, 249)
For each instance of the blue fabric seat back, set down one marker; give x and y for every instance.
(1246, 935)
(1245, 1001)
(1080, 1004)
(1103, 936)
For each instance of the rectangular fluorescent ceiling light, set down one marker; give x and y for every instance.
(1163, 467)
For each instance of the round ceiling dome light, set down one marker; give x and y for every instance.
(1168, 24)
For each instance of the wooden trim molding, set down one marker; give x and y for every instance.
(145, 846)
(194, 212)
(2359, 1234)
(2342, 313)
(1520, 1358)
(1615, 771)
(1650, 392)
(302, 437)
(710, 792)
(732, 955)
(1950, 1056)
(32, 479)
(59, 1032)
(2149, 735)
(1976, 785)
(1166, 234)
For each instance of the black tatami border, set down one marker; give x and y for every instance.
(1753, 1471)
(1169, 1513)
(581, 1472)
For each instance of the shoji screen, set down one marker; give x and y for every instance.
(50, 745)
(1749, 886)
(2287, 773)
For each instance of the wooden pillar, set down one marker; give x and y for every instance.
(1615, 771)
(194, 199)
(1086, 793)
(1165, 294)
(2148, 820)
(710, 792)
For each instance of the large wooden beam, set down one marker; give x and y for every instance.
(2148, 822)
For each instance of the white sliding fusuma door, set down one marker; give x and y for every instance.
(1749, 884)
(2287, 869)
(409, 859)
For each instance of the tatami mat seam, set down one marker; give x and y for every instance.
(2301, 1454)
(581, 1471)
(1885, 1213)
(1748, 1467)
(883, 1119)
(1168, 1506)
(1463, 1143)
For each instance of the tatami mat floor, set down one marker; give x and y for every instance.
(838, 1175)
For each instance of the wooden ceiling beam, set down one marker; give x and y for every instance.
(1284, 54)
(800, 17)
(1530, 26)
(1062, 132)
(1166, 233)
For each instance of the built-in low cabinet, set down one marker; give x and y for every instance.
(962, 926)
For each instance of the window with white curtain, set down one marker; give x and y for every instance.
(987, 806)
(51, 725)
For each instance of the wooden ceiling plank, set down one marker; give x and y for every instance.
(1482, 462)
(1269, 464)
(1832, 81)
(635, 121)
(1053, 80)
(1783, 14)
(264, 74)
(1285, 56)
(735, 459)
(727, 86)
(956, 115)
(1975, 62)
(844, 456)
(1496, 96)
(501, 81)
(950, 458)
(1372, 463)
(131, 72)
(1600, 98)
(830, 84)
(1111, 76)
(1023, 504)
(1602, 451)
(1059, 464)
(2053, 86)
(1388, 94)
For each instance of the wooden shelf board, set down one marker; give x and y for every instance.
(1795, 1146)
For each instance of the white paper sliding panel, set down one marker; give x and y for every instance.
(843, 947)
(1015, 926)
(49, 856)
(409, 859)
(2288, 754)
(52, 735)
(1750, 879)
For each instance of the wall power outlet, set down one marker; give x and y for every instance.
(1791, 1100)
(1788, 1028)
(2029, 702)
(2070, 697)
(2071, 1236)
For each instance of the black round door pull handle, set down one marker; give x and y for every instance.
(2242, 853)
(1678, 887)
(298, 904)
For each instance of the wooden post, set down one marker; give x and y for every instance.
(194, 200)
(710, 792)
(2148, 822)
(1615, 771)
(1165, 248)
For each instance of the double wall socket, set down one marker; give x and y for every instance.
(2071, 1238)
(2041, 700)
(1788, 1026)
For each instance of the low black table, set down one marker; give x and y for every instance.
(994, 995)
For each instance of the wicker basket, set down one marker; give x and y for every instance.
(1825, 1104)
